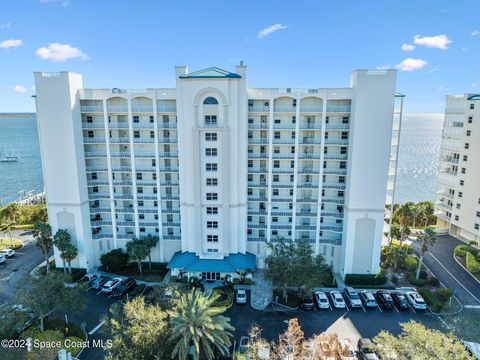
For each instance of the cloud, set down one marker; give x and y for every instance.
(410, 64)
(270, 30)
(6, 25)
(8, 44)
(20, 89)
(383, 67)
(408, 47)
(475, 32)
(60, 52)
(437, 42)
(63, 3)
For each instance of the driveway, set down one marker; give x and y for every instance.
(439, 259)
(15, 268)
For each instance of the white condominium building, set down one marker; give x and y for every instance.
(458, 184)
(216, 170)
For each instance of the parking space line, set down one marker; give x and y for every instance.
(395, 308)
(411, 307)
(363, 308)
(96, 327)
(99, 292)
(348, 309)
(379, 308)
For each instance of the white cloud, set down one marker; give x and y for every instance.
(60, 52)
(64, 3)
(20, 89)
(408, 47)
(437, 42)
(410, 64)
(5, 25)
(269, 30)
(383, 67)
(475, 32)
(11, 43)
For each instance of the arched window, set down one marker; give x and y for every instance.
(210, 101)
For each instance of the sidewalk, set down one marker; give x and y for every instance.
(261, 291)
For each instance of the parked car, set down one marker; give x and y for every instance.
(123, 288)
(368, 299)
(7, 252)
(365, 351)
(322, 301)
(88, 278)
(400, 300)
(241, 297)
(352, 298)
(2, 258)
(243, 344)
(416, 300)
(99, 281)
(307, 302)
(337, 299)
(110, 285)
(348, 350)
(384, 299)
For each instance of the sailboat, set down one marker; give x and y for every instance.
(5, 157)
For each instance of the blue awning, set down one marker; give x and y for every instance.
(190, 262)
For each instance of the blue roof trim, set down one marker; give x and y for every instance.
(474, 97)
(212, 72)
(190, 262)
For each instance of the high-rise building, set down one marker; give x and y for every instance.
(458, 186)
(216, 170)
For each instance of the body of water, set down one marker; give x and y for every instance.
(417, 167)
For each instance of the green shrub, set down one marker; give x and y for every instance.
(411, 263)
(77, 274)
(7, 243)
(59, 325)
(414, 281)
(472, 264)
(114, 260)
(366, 279)
(137, 291)
(437, 300)
(394, 279)
(292, 299)
(432, 280)
(226, 297)
(444, 295)
(462, 250)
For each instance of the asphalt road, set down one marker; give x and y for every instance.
(439, 259)
(18, 266)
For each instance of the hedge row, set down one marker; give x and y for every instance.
(362, 279)
(472, 264)
(462, 250)
(437, 300)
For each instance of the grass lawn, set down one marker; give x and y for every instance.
(7, 243)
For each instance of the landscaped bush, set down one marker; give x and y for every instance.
(226, 297)
(444, 294)
(437, 300)
(77, 274)
(462, 250)
(366, 279)
(12, 243)
(137, 291)
(114, 260)
(472, 264)
(414, 281)
(432, 280)
(292, 299)
(59, 325)
(411, 263)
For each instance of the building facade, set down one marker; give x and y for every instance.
(457, 206)
(217, 170)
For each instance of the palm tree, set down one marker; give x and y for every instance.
(70, 253)
(10, 212)
(137, 251)
(428, 238)
(196, 323)
(42, 233)
(428, 211)
(8, 227)
(151, 241)
(61, 240)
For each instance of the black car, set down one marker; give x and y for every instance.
(125, 287)
(400, 300)
(307, 303)
(384, 300)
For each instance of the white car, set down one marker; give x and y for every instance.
(2, 258)
(241, 297)
(111, 284)
(89, 277)
(337, 300)
(321, 299)
(416, 300)
(7, 252)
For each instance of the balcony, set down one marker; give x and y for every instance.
(148, 223)
(121, 169)
(333, 200)
(258, 140)
(308, 170)
(148, 210)
(284, 198)
(331, 227)
(98, 196)
(120, 154)
(449, 171)
(171, 140)
(257, 184)
(142, 109)
(449, 159)
(256, 226)
(117, 109)
(257, 155)
(96, 223)
(95, 154)
(284, 109)
(122, 182)
(444, 206)
(125, 223)
(283, 170)
(307, 227)
(171, 168)
(306, 213)
(172, 237)
(118, 125)
(168, 154)
(167, 125)
(312, 126)
(283, 126)
(333, 185)
(146, 169)
(337, 126)
(170, 196)
(257, 198)
(338, 108)
(94, 140)
(120, 140)
(142, 125)
(307, 185)
(123, 196)
(276, 226)
(96, 168)
(309, 155)
(93, 125)
(283, 156)
(257, 126)
(97, 182)
(310, 109)
(262, 109)
(335, 156)
(102, 235)
(91, 109)
(331, 214)
(257, 170)
(284, 141)
(145, 154)
(307, 140)
(330, 171)
(256, 212)
(336, 141)
(143, 196)
(126, 210)
(166, 108)
(277, 184)
(100, 210)
(169, 183)
(307, 199)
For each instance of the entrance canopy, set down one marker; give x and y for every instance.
(190, 262)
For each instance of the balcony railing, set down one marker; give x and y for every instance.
(333, 200)
(168, 168)
(310, 109)
(309, 155)
(142, 125)
(278, 184)
(147, 196)
(94, 140)
(338, 108)
(118, 125)
(284, 109)
(93, 125)
(257, 126)
(258, 108)
(308, 170)
(337, 126)
(95, 154)
(283, 141)
(167, 140)
(333, 185)
(102, 236)
(307, 185)
(258, 140)
(258, 155)
(145, 154)
(257, 170)
(307, 140)
(120, 154)
(166, 108)
(142, 109)
(146, 169)
(283, 155)
(117, 109)
(331, 141)
(330, 171)
(97, 182)
(120, 140)
(167, 125)
(257, 184)
(312, 126)
(121, 169)
(283, 126)
(283, 170)
(333, 214)
(91, 109)
(335, 156)
(168, 154)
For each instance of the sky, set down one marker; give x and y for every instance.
(434, 44)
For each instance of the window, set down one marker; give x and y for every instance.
(477, 226)
(460, 194)
(154, 162)
(343, 150)
(276, 135)
(212, 238)
(275, 192)
(472, 106)
(469, 132)
(465, 157)
(136, 119)
(250, 102)
(462, 182)
(212, 210)
(210, 119)
(213, 250)
(136, 134)
(141, 216)
(277, 121)
(275, 219)
(95, 189)
(478, 213)
(293, 134)
(274, 232)
(154, 176)
(210, 136)
(276, 163)
(210, 152)
(139, 189)
(457, 217)
(345, 120)
(210, 101)
(94, 176)
(276, 178)
(470, 119)
(152, 134)
(212, 182)
(212, 196)
(140, 203)
(344, 135)
(151, 119)
(90, 134)
(211, 167)
(343, 164)
(467, 145)
(212, 224)
(139, 176)
(458, 206)
(89, 119)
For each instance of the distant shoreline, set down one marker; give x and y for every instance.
(16, 115)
